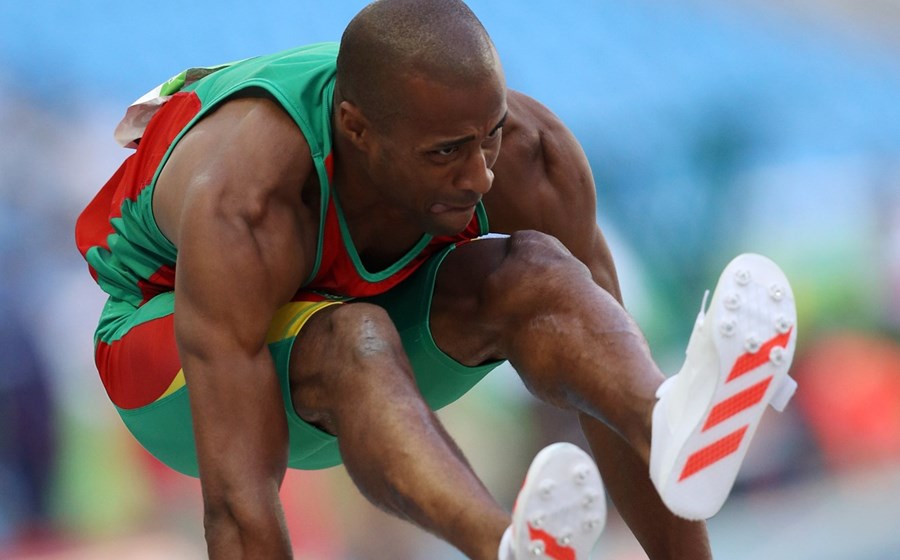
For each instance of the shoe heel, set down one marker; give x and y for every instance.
(783, 394)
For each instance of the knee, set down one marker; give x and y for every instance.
(535, 263)
(357, 332)
(350, 349)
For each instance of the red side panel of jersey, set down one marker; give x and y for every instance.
(94, 225)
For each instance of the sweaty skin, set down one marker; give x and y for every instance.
(239, 199)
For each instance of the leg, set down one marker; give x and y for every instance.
(625, 477)
(350, 377)
(528, 300)
(574, 346)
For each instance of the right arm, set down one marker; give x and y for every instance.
(230, 200)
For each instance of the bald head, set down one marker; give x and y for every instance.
(390, 41)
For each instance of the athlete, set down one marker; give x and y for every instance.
(299, 273)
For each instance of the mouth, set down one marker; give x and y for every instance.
(444, 208)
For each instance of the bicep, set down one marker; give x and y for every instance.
(231, 273)
(231, 276)
(234, 211)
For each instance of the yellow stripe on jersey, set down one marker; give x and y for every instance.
(287, 323)
(290, 318)
(176, 384)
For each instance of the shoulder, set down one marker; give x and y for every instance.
(244, 159)
(247, 149)
(251, 137)
(530, 130)
(528, 115)
(535, 134)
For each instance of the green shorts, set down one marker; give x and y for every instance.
(164, 426)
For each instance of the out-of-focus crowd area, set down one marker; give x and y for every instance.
(771, 127)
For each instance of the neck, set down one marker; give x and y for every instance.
(381, 234)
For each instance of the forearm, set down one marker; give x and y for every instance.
(241, 437)
(626, 477)
(237, 530)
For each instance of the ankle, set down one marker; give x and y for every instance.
(641, 429)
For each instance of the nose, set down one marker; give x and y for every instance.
(476, 175)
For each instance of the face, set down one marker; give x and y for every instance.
(433, 162)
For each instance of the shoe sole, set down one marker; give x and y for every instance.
(561, 509)
(754, 335)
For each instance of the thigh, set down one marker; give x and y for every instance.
(136, 352)
(459, 322)
(490, 288)
(309, 447)
(440, 376)
(140, 368)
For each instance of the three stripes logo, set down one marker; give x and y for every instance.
(733, 405)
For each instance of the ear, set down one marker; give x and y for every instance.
(354, 124)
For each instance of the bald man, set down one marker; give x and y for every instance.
(299, 272)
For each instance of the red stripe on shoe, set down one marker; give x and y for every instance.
(713, 453)
(552, 549)
(749, 361)
(737, 403)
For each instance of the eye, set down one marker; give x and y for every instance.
(496, 132)
(446, 151)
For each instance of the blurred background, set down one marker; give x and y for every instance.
(762, 126)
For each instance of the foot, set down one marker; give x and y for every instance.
(737, 363)
(561, 509)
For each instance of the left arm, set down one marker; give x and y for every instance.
(543, 181)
